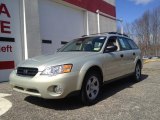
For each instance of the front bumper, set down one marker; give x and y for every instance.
(43, 86)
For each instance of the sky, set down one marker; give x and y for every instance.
(130, 10)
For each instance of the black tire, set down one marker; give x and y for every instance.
(90, 92)
(137, 73)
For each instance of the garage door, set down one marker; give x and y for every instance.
(58, 23)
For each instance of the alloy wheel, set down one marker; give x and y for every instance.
(92, 87)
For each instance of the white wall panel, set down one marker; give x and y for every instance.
(107, 24)
(93, 25)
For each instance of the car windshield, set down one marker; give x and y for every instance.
(88, 44)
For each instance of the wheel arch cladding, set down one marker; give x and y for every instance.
(94, 68)
(139, 62)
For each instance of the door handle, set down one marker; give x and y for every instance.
(121, 55)
(134, 53)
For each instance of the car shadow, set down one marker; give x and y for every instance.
(117, 86)
(69, 103)
(74, 102)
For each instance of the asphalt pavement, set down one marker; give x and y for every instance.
(121, 100)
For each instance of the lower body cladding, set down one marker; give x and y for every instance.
(47, 87)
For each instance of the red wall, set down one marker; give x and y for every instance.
(94, 5)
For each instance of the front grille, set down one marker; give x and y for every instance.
(24, 71)
(28, 90)
(32, 90)
(20, 88)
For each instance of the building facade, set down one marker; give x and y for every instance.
(30, 28)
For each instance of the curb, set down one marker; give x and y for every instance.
(148, 61)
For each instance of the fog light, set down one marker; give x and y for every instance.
(58, 89)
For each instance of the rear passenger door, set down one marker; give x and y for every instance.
(135, 52)
(128, 55)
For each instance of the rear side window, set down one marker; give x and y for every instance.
(132, 44)
(124, 44)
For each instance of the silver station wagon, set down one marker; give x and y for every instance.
(81, 66)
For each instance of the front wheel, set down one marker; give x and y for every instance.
(91, 89)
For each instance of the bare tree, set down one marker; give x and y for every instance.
(156, 29)
(146, 31)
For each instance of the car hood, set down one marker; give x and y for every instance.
(43, 61)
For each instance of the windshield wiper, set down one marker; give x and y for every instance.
(75, 50)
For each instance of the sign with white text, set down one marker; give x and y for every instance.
(9, 37)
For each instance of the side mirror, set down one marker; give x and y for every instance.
(111, 48)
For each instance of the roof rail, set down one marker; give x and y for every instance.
(117, 33)
(94, 34)
(84, 35)
(107, 33)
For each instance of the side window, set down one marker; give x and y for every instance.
(124, 45)
(113, 41)
(132, 44)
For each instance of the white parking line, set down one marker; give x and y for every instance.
(5, 105)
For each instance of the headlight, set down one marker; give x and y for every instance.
(55, 70)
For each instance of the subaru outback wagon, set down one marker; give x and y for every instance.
(81, 66)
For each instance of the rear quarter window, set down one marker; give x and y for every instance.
(132, 44)
(124, 44)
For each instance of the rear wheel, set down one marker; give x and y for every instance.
(137, 73)
(91, 88)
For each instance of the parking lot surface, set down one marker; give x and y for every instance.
(121, 100)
